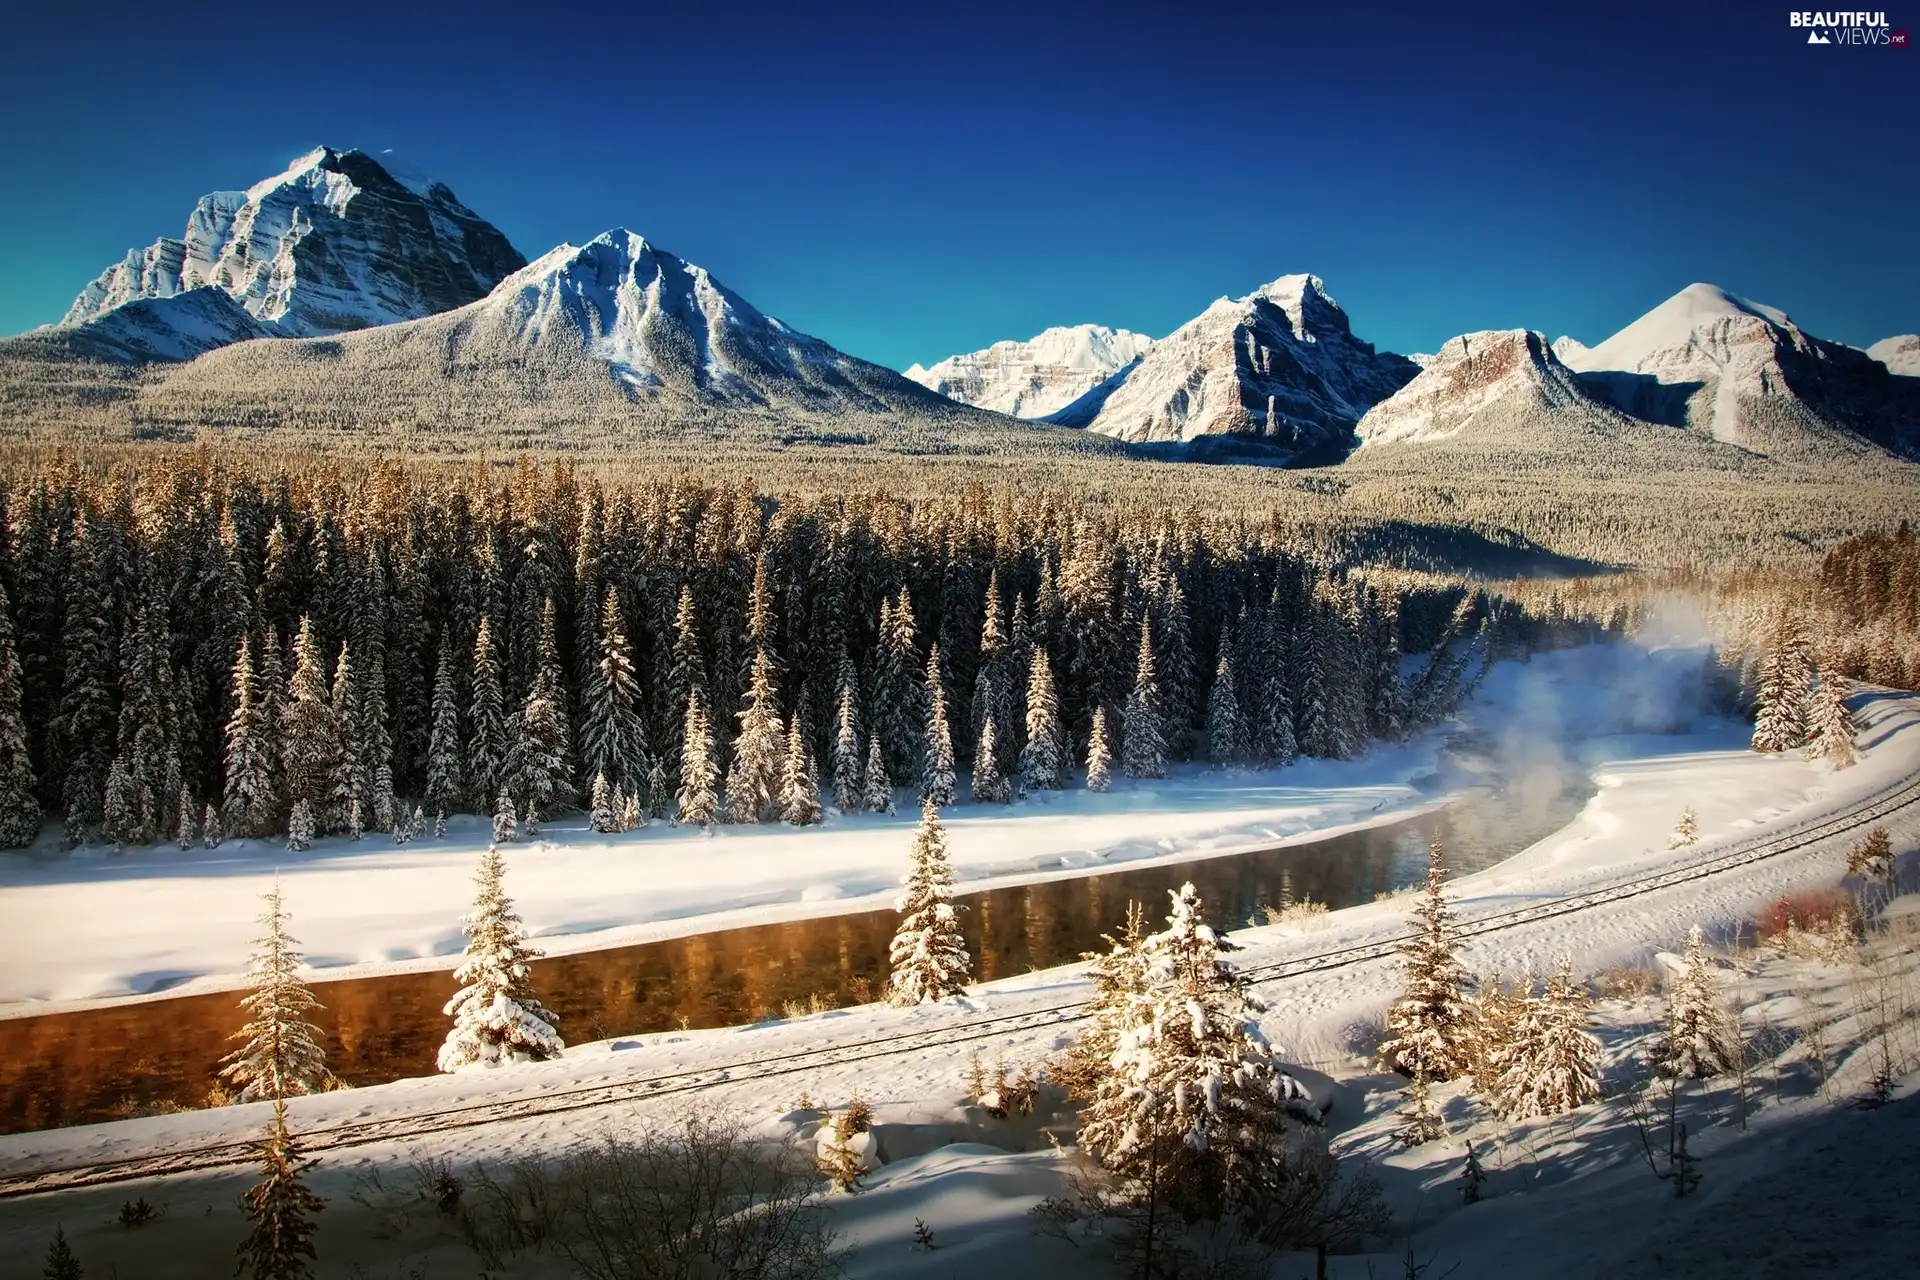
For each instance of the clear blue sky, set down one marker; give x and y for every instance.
(907, 181)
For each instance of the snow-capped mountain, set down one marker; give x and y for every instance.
(178, 326)
(1035, 378)
(1488, 384)
(1900, 354)
(1744, 373)
(1280, 364)
(333, 244)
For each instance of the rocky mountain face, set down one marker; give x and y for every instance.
(1499, 384)
(335, 243)
(1746, 374)
(1035, 378)
(1900, 354)
(1280, 365)
(177, 326)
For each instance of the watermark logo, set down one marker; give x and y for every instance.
(1863, 30)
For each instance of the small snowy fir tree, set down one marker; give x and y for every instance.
(186, 832)
(799, 790)
(1471, 1176)
(1419, 1122)
(537, 760)
(354, 828)
(633, 814)
(928, 955)
(989, 786)
(530, 821)
(1700, 1039)
(1226, 729)
(1144, 749)
(1120, 985)
(210, 833)
(604, 817)
(753, 784)
(1686, 832)
(1781, 703)
(249, 756)
(300, 827)
(1099, 752)
(612, 739)
(936, 762)
(1831, 724)
(280, 1209)
(659, 798)
(19, 811)
(699, 797)
(846, 752)
(61, 1262)
(1431, 1029)
(1043, 761)
(282, 1054)
(879, 787)
(486, 754)
(1550, 1063)
(446, 782)
(495, 1016)
(1872, 858)
(506, 819)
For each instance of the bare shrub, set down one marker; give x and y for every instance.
(1816, 923)
(1626, 982)
(699, 1200)
(1303, 914)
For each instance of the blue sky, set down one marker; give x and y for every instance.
(911, 181)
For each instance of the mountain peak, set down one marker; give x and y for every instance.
(1038, 377)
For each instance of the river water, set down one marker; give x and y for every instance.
(136, 1059)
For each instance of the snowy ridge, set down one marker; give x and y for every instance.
(1040, 376)
(1498, 374)
(172, 327)
(1280, 364)
(333, 243)
(1900, 354)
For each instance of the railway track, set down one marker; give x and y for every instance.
(339, 1137)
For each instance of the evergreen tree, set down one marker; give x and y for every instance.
(846, 752)
(1226, 731)
(1388, 714)
(282, 1054)
(1099, 753)
(148, 705)
(800, 790)
(1043, 759)
(211, 834)
(936, 767)
(1550, 1063)
(989, 787)
(446, 776)
(879, 787)
(1144, 748)
(120, 812)
(537, 760)
(487, 748)
(928, 954)
(375, 743)
(1120, 986)
(495, 1016)
(604, 816)
(659, 791)
(186, 832)
(699, 798)
(61, 1263)
(1686, 832)
(1872, 858)
(1780, 724)
(1700, 1038)
(506, 818)
(753, 784)
(1830, 724)
(280, 1209)
(1431, 1029)
(685, 673)
(83, 732)
(19, 810)
(612, 738)
(249, 764)
(300, 827)
(343, 810)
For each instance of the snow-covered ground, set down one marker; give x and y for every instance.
(975, 1195)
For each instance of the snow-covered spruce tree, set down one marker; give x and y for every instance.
(281, 1055)
(378, 805)
(1830, 724)
(341, 809)
(211, 834)
(249, 759)
(660, 789)
(699, 796)
(1686, 832)
(1120, 989)
(1226, 730)
(495, 1016)
(1872, 858)
(846, 751)
(506, 818)
(928, 954)
(1700, 1039)
(537, 760)
(878, 796)
(1431, 1029)
(446, 775)
(1191, 1112)
(605, 814)
(1419, 1122)
(759, 753)
(936, 760)
(633, 814)
(799, 789)
(186, 832)
(1099, 752)
(280, 1209)
(487, 746)
(1550, 1063)
(1143, 749)
(1388, 714)
(989, 786)
(1043, 761)
(1781, 703)
(612, 737)
(300, 827)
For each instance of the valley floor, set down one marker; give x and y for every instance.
(1566, 1197)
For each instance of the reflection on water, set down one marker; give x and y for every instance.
(74, 1068)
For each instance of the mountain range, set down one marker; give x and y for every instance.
(348, 289)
